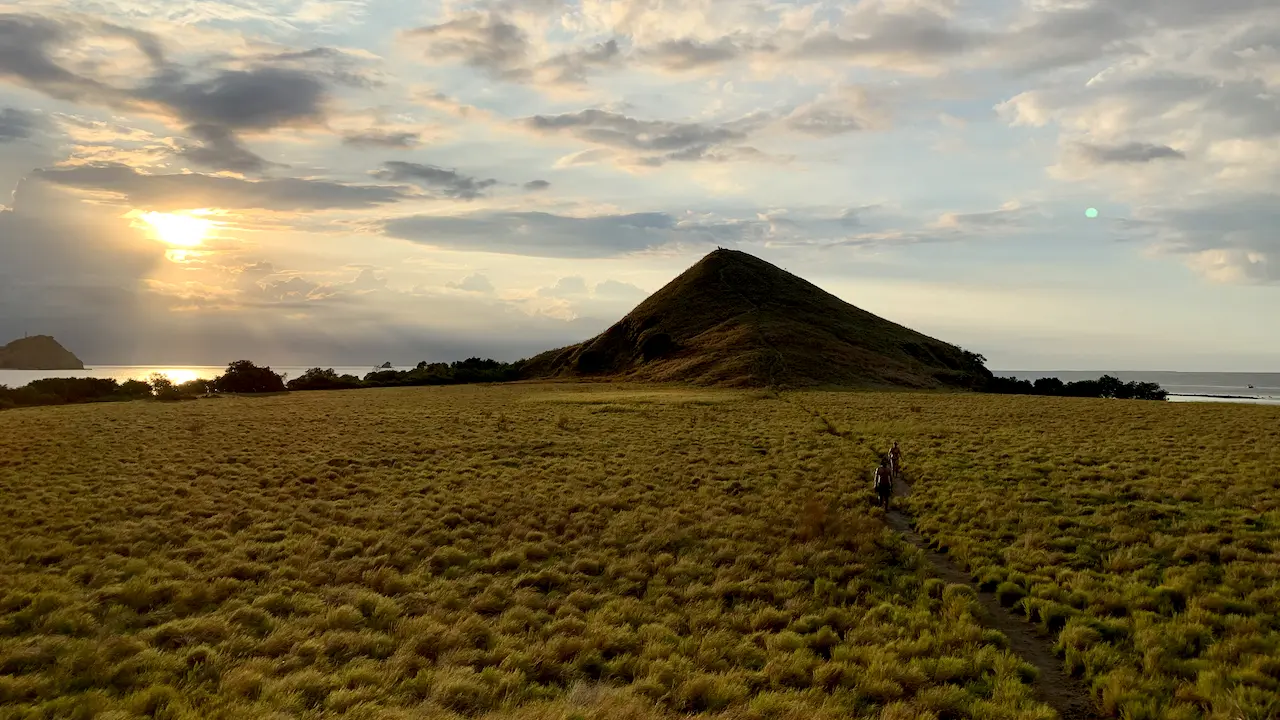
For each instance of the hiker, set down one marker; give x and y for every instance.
(895, 460)
(884, 482)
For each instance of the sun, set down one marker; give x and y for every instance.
(179, 230)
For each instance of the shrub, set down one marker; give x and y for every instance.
(243, 376)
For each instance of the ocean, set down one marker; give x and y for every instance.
(1261, 388)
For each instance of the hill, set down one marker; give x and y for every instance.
(734, 320)
(39, 352)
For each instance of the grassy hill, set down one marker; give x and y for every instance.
(39, 352)
(734, 320)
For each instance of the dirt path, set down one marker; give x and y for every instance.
(1054, 687)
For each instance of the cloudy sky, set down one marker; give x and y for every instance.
(348, 181)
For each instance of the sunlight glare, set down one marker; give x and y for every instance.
(181, 230)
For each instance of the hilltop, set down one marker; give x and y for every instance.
(734, 320)
(39, 352)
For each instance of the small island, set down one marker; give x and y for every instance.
(38, 352)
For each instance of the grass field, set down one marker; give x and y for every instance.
(575, 552)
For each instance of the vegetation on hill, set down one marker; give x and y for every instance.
(1104, 387)
(735, 320)
(38, 352)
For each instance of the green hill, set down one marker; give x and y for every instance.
(734, 320)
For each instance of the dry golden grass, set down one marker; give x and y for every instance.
(1145, 537)
(567, 552)
(521, 553)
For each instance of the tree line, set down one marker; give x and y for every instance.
(1104, 387)
(243, 377)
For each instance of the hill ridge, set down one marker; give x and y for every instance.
(733, 319)
(38, 352)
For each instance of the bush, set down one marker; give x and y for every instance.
(243, 376)
(318, 379)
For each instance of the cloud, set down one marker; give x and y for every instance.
(475, 283)
(216, 104)
(901, 36)
(851, 109)
(1227, 238)
(687, 54)
(651, 142)
(1011, 214)
(491, 43)
(539, 234)
(194, 190)
(575, 66)
(536, 185)
(221, 150)
(382, 139)
(565, 287)
(16, 124)
(1131, 152)
(484, 41)
(449, 183)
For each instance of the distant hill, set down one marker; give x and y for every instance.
(39, 352)
(735, 320)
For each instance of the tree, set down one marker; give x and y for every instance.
(164, 388)
(319, 379)
(1049, 386)
(243, 376)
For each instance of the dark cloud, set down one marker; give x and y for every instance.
(382, 139)
(536, 185)
(16, 124)
(1132, 152)
(449, 183)
(222, 150)
(217, 106)
(573, 67)
(191, 190)
(258, 99)
(885, 37)
(492, 44)
(656, 141)
(28, 44)
(485, 41)
(688, 54)
(557, 236)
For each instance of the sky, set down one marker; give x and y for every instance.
(344, 182)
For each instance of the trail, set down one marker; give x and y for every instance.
(1052, 686)
(1060, 691)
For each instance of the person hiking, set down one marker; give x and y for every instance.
(895, 460)
(884, 482)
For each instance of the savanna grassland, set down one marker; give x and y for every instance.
(600, 551)
(566, 552)
(1143, 537)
